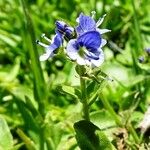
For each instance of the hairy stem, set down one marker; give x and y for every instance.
(84, 95)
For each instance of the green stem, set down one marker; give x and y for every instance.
(84, 95)
(134, 134)
(111, 110)
(137, 28)
(141, 137)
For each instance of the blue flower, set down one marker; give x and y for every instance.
(86, 49)
(50, 49)
(62, 30)
(87, 23)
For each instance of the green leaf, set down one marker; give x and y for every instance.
(71, 91)
(10, 75)
(8, 40)
(23, 93)
(104, 142)
(6, 139)
(30, 105)
(102, 119)
(89, 136)
(30, 122)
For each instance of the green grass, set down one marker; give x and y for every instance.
(41, 102)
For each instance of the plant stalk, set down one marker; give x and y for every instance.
(134, 134)
(111, 110)
(84, 95)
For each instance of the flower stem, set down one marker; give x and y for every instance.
(84, 95)
(111, 110)
(134, 134)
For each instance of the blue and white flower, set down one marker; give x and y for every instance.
(87, 48)
(50, 49)
(62, 30)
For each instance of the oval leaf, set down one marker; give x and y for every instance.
(89, 136)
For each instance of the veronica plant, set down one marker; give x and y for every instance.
(84, 48)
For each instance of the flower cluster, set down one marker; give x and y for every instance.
(85, 41)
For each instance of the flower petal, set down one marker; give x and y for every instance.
(102, 31)
(86, 24)
(56, 43)
(98, 62)
(91, 40)
(93, 55)
(103, 42)
(49, 53)
(72, 49)
(99, 22)
(57, 40)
